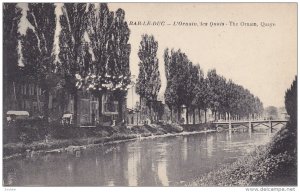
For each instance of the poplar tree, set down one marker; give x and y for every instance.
(171, 88)
(192, 77)
(176, 66)
(109, 37)
(201, 94)
(119, 58)
(11, 71)
(213, 80)
(148, 83)
(99, 27)
(37, 49)
(71, 43)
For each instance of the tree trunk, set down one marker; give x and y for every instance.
(171, 118)
(46, 105)
(62, 103)
(194, 116)
(178, 114)
(75, 107)
(121, 115)
(45, 110)
(5, 90)
(205, 119)
(100, 107)
(141, 109)
(199, 114)
(187, 115)
(150, 110)
(38, 100)
(137, 117)
(14, 105)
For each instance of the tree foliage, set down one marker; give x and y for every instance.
(291, 102)
(271, 112)
(11, 70)
(148, 83)
(11, 19)
(71, 43)
(182, 77)
(38, 42)
(186, 85)
(37, 48)
(109, 35)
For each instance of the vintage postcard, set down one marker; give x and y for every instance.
(149, 94)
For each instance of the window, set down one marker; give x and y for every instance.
(110, 106)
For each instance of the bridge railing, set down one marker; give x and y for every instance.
(248, 120)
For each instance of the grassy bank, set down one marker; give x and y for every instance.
(274, 164)
(68, 136)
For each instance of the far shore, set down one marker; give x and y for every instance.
(19, 150)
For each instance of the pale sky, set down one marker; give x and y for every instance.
(262, 59)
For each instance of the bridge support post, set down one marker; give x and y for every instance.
(250, 128)
(270, 126)
(229, 124)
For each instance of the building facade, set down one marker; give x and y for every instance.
(29, 97)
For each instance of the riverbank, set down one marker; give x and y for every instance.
(274, 164)
(100, 136)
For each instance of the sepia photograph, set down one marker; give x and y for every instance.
(158, 94)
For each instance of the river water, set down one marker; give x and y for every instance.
(165, 161)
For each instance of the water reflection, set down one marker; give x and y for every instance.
(11, 178)
(250, 132)
(209, 145)
(230, 135)
(162, 172)
(184, 148)
(134, 158)
(165, 161)
(162, 166)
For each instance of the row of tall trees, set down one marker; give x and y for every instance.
(187, 85)
(93, 50)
